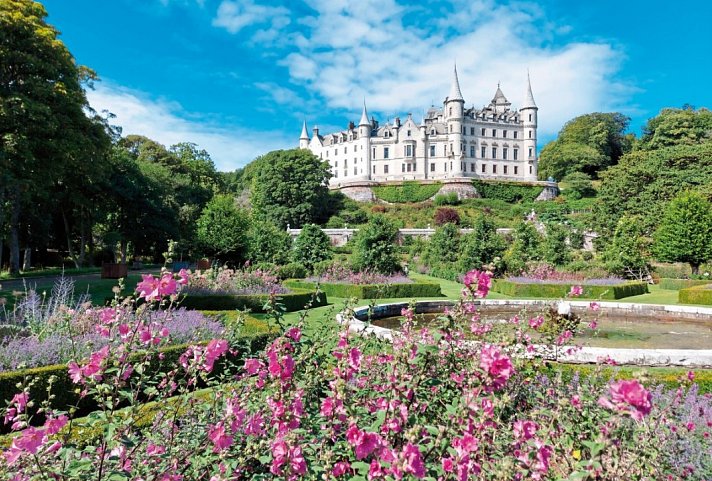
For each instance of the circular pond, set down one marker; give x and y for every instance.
(628, 333)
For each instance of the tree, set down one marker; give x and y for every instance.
(375, 246)
(311, 246)
(645, 180)
(579, 185)
(268, 243)
(685, 232)
(556, 250)
(526, 247)
(628, 252)
(290, 187)
(444, 246)
(685, 126)
(481, 246)
(222, 229)
(588, 143)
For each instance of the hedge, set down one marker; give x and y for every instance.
(696, 295)
(292, 301)
(549, 291)
(507, 191)
(410, 191)
(677, 284)
(65, 391)
(372, 291)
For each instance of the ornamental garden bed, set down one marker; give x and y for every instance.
(696, 295)
(553, 290)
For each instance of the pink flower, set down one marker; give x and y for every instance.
(465, 445)
(184, 277)
(220, 439)
(108, 315)
(19, 400)
(691, 375)
(363, 442)
(341, 468)
(525, 430)
(148, 288)
(478, 282)
(167, 285)
(593, 325)
(594, 306)
(536, 322)
(154, 450)
(630, 397)
(253, 366)
(413, 461)
(498, 366)
(30, 440)
(576, 401)
(355, 358)
(54, 425)
(215, 349)
(75, 372)
(576, 291)
(447, 465)
(280, 368)
(294, 333)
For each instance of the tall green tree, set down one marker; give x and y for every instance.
(223, 228)
(375, 246)
(685, 126)
(290, 187)
(685, 232)
(268, 243)
(525, 247)
(556, 251)
(481, 246)
(628, 253)
(588, 143)
(311, 246)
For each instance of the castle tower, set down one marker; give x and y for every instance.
(364, 137)
(528, 113)
(304, 138)
(454, 113)
(423, 149)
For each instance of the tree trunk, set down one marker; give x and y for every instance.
(15, 232)
(1, 249)
(124, 248)
(82, 241)
(69, 240)
(27, 259)
(695, 268)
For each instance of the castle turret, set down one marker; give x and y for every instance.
(364, 136)
(304, 138)
(528, 113)
(454, 113)
(423, 148)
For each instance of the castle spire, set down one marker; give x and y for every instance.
(305, 135)
(529, 99)
(455, 93)
(364, 116)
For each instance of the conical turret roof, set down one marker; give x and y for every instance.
(499, 97)
(364, 116)
(455, 93)
(529, 98)
(304, 135)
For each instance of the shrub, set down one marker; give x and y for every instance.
(696, 295)
(507, 192)
(627, 252)
(375, 247)
(449, 198)
(222, 229)
(556, 250)
(378, 209)
(444, 246)
(677, 284)
(339, 273)
(295, 300)
(293, 270)
(335, 222)
(444, 215)
(559, 290)
(224, 281)
(481, 246)
(373, 291)
(268, 243)
(311, 246)
(409, 191)
(525, 247)
(579, 186)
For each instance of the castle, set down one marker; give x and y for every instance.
(495, 142)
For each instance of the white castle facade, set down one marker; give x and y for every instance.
(495, 142)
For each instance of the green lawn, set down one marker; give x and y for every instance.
(50, 271)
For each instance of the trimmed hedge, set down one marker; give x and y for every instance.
(292, 301)
(618, 291)
(372, 291)
(696, 295)
(677, 284)
(65, 392)
(507, 191)
(411, 191)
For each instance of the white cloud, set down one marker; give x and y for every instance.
(168, 123)
(236, 15)
(400, 57)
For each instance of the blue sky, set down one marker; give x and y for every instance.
(238, 77)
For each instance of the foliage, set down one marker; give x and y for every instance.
(444, 246)
(670, 127)
(341, 274)
(290, 188)
(525, 247)
(627, 253)
(557, 290)
(311, 246)
(268, 243)
(444, 215)
(222, 229)
(293, 300)
(387, 290)
(588, 144)
(696, 295)
(556, 250)
(222, 281)
(645, 180)
(293, 270)
(677, 284)
(449, 198)
(375, 247)
(481, 247)
(685, 231)
(408, 191)
(579, 185)
(507, 191)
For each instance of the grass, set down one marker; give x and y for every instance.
(49, 271)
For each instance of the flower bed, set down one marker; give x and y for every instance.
(371, 291)
(294, 300)
(554, 290)
(696, 295)
(230, 282)
(341, 274)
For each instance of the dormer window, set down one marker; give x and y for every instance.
(409, 133)
(432, 132)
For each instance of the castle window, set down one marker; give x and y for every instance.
(409, 150)
(385, 169)
(483, 152)
(515, 134)
(409, 133)
(472, 151)
(515, 170)
(327, 154)
(494, 152)
(336, 174)
(346, 173)
(344, 150)
(530, 134)
(346, 163)
(504, 153)
(450, 111)
(530, 153)
(472, 131)
(432, 132)
(336, 152)
(515, 154)
(530, 117)
(450, 128)
(432, 151)
(415, 167)
(374, 169)
(355, 170)
(402, 167)
(385, 152)
(484, 168)
(494, 132)
(464, 130)
(505, 169)
(409, 167)
(374, 153)
(530, 170)
(504, 134)
(472, 167)
(432, 167)
(494, 168)
(354, 148)
(483, 132)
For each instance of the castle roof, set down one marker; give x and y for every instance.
(455, 93)
(529, 98)
(304, 135)
(364, 116)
